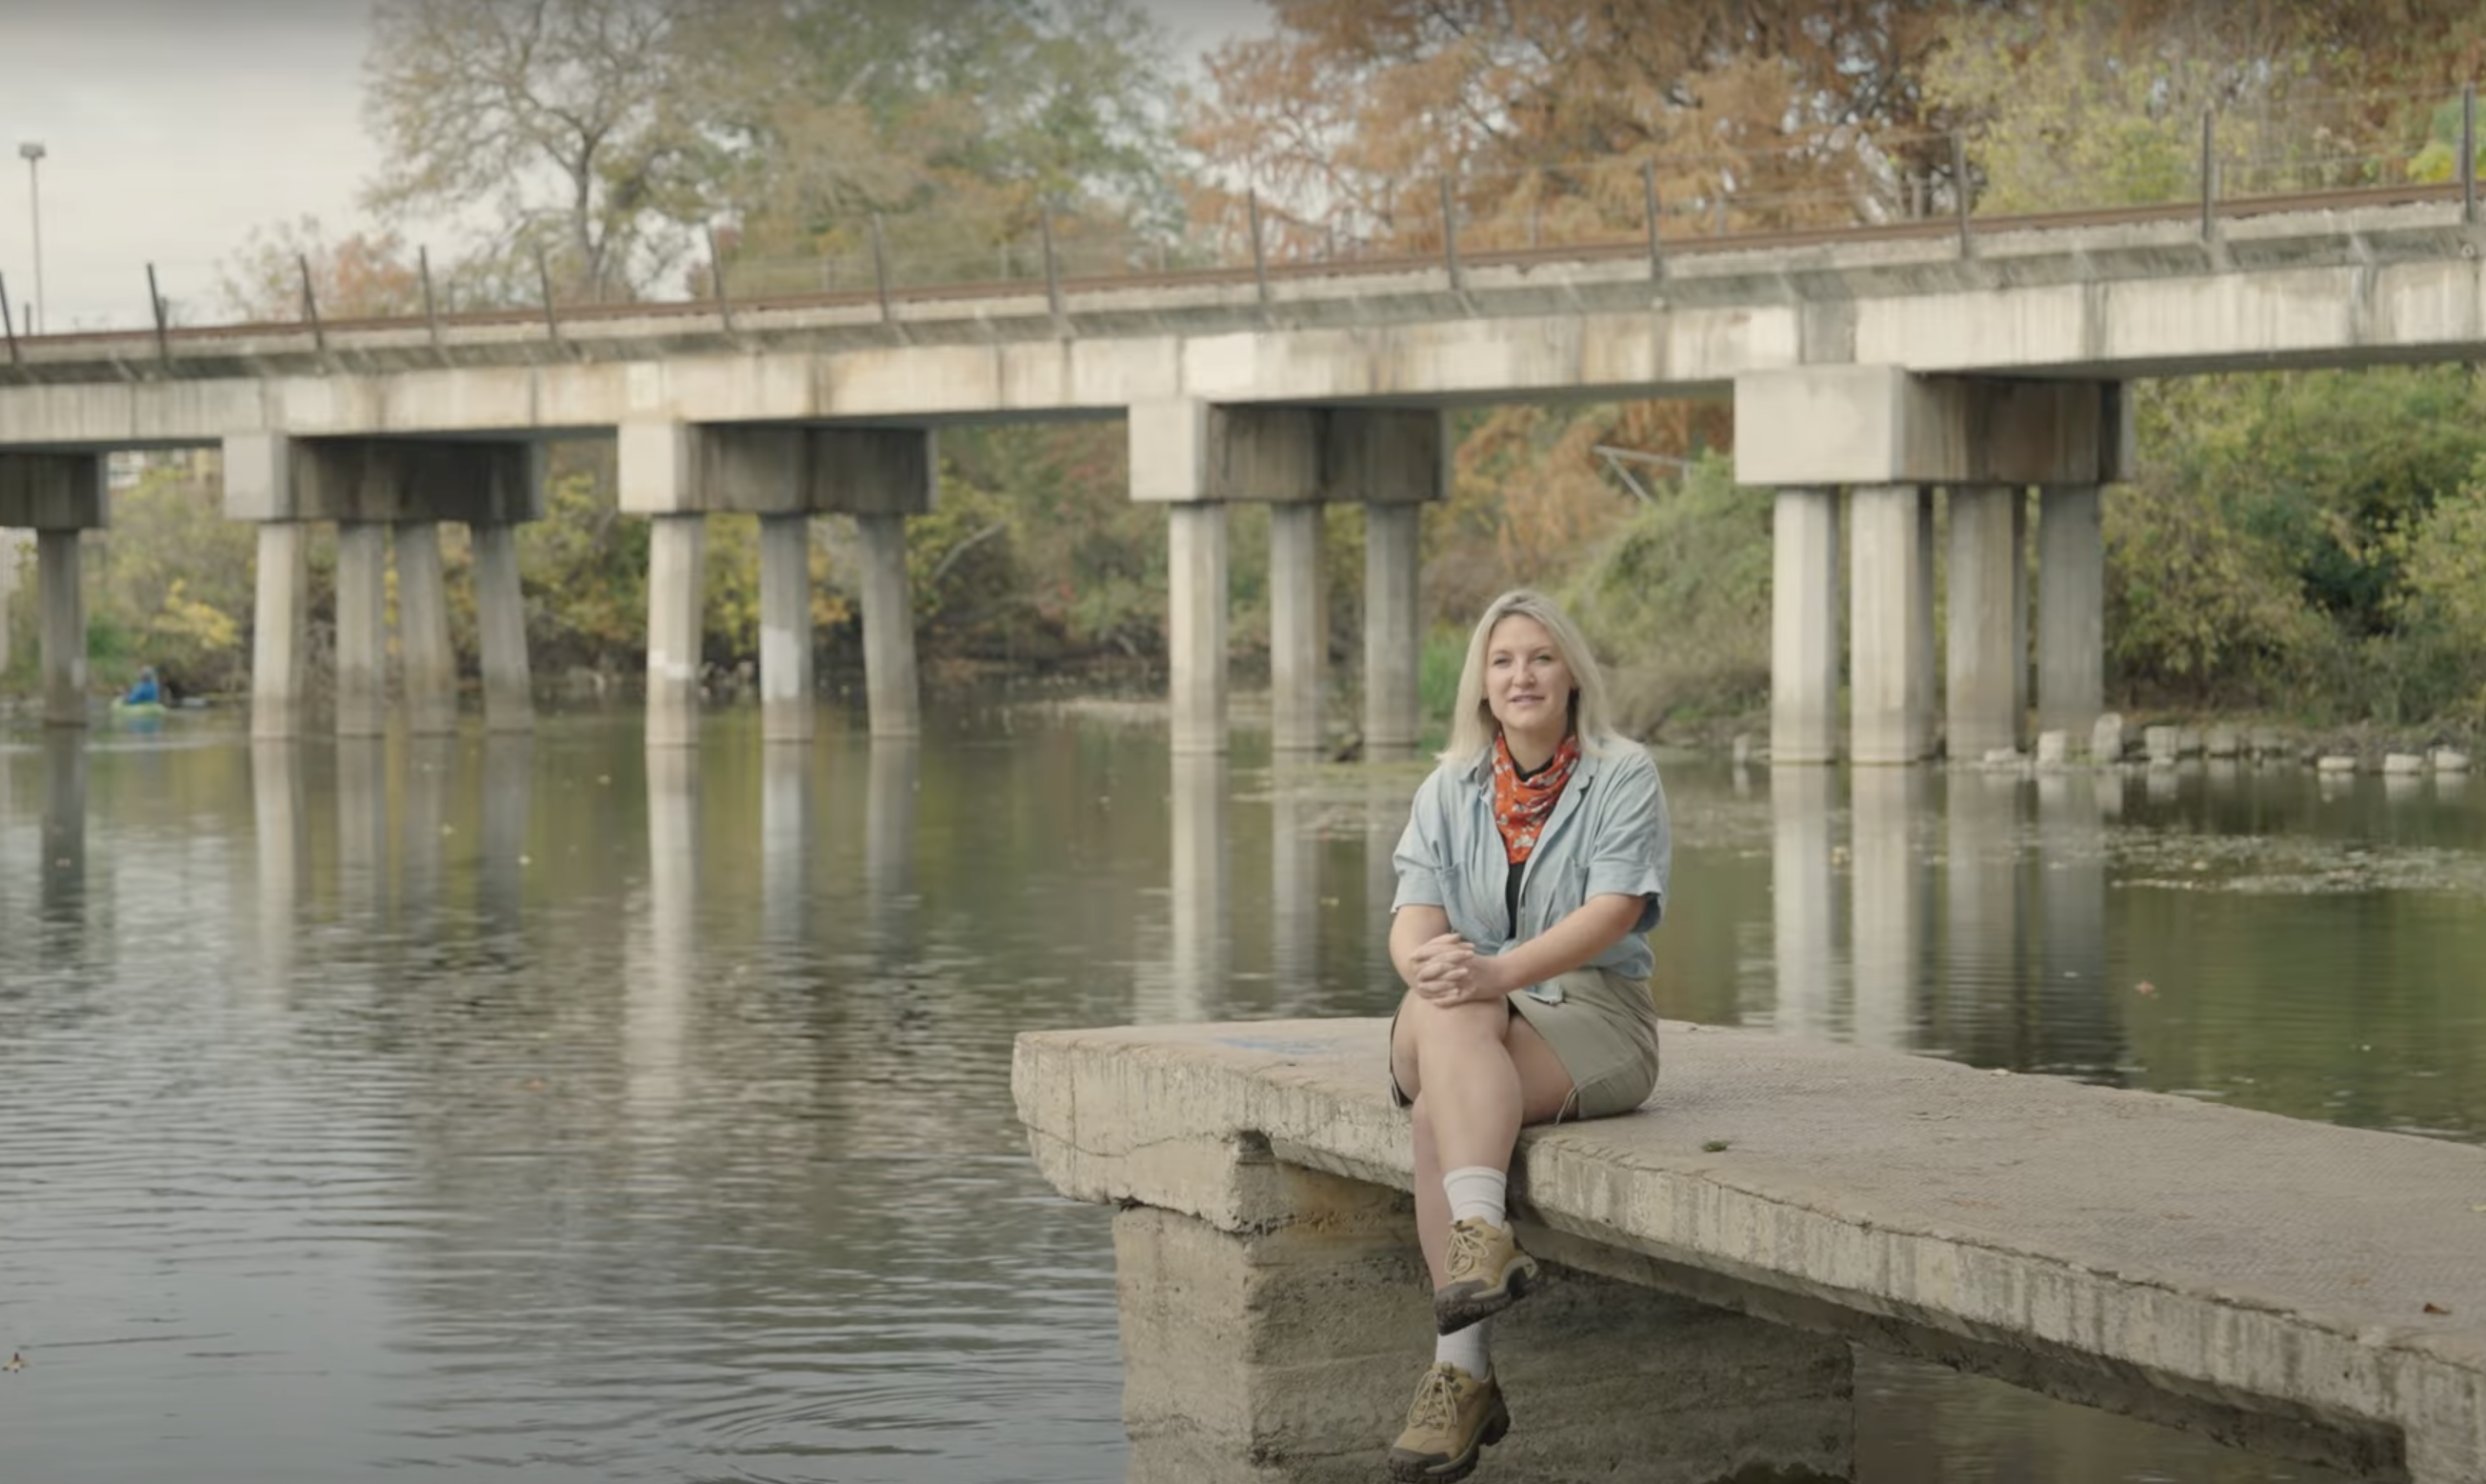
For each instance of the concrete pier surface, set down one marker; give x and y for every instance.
(2296, 1288)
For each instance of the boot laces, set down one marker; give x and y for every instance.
(1437, 1402)
(1472, 1247)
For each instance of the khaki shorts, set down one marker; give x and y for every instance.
(1605, 1035)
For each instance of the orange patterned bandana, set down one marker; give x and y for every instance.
(1521, 805)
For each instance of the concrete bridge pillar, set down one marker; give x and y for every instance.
(59, 495)
(1298, 629)
(1196, 625)
(676, 585)
(1889, 621)
(61, 590)
(680, 471)
(1804, 627)
(1394, 635)
(1188, 455)
(9, 560)
(785, 664)
(362, 629)
(2071, 609)
(367, 486)
(1394, 460)
(1986, 693)
(425, 659)
(279, 614)
(501, 616)
(891, 687)
(1885, 434)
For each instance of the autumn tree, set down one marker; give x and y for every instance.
(365, 275)
(563, 118)
(957, 121)
(1752, 111)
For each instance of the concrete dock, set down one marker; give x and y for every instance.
(2301, 1289)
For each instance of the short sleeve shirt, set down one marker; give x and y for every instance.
(1608, 835)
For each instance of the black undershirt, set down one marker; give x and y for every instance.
(1519, 868)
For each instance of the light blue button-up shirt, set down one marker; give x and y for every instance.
(1608, 833)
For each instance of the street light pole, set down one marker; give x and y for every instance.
(32, 151)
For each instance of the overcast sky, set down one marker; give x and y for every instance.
(172, 127)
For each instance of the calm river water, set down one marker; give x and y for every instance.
(486, 1108)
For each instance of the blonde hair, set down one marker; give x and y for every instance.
(1473, 728)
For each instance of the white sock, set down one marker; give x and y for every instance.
(1476, 1191)
(1465, 1349)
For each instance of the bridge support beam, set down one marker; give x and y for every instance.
(59, 495)
(427, 665)
(1390, 459)
(891, 687)
(2071, 609)
(1196, 625)
(10, 558)
(280, 608)
(1804, 626)
(1986, 691)
(786, 684)
(501, 618)
(1394, 638)
(362, 629)
(63, 593)
(1891, 621)
(1885, 434)
(368, 487)
(676, 585)
(1298, 629)
(785, 474)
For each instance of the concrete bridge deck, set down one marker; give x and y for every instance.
(2298, 1288)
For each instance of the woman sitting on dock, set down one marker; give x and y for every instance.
(1533, 861)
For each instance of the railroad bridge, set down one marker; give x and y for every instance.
(1871, 365)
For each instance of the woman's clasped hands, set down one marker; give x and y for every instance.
(1449, 971)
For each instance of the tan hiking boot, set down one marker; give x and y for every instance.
(1488, 1274)
(1455, 1420)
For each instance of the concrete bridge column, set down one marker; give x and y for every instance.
(9, 549)
(1988, 663)
(426, 660)
(1891, 622)
(1196, 625)
(63, 593)
(677, 557)
(892, 688)
(1804, 627)
(2071, 609)
(279, 617)
(501, 616)
(1885, 434)
(1298, 628)
(676, 472)
(786, 684)
(368, 485)
(362, 629)
(1393, 637)
(59, 495)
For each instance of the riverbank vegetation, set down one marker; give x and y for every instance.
(2308, 545)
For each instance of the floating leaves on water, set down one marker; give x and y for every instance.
(1716, 1146)
(2479, 1208)
(17, 1363)
(2436, 1308)
(2144, 987)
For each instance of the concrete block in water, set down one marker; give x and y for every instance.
(2446, 760)
(2403, 764)
(2106, 738)
(2054, 749)
(2164, 745)
(2220, 742)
